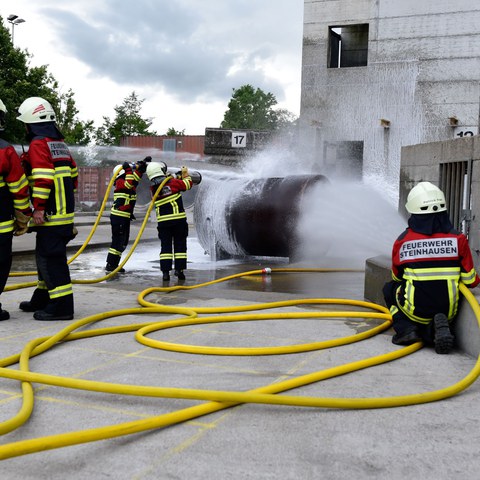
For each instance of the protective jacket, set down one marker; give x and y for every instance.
(125, 193)
(429, 268)
(53, 178)
(169, 203)
(14, 193)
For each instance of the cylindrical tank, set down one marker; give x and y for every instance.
(251, 217)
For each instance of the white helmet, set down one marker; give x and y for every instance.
(156, 169)
(36, 110)
(118, 170)
(425, 198)
(3, 111)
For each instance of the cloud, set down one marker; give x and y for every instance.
(195, 51)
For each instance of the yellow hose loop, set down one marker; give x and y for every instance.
(221, 399)
(279, 350)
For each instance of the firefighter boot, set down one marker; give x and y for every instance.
(110, 268)
(443, 338)
(180, 274)
(4, 315)
(166, 276)
(59, 309)
(406, 338)
(39, 300)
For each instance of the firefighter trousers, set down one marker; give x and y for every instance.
(5, 258)
(53, 271)
(173, 239)
(120, 238)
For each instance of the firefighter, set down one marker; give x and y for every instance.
(121, 213)
(52, 175)
(429, 259)
(172, 223)
(15, 211)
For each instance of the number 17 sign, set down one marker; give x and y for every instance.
(239, 139)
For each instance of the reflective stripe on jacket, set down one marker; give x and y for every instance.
(53, 178)
(430, 268)
(125, 193)
(169, 203)
(14, 192)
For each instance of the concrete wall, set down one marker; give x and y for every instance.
(422, 163)
(423, 68)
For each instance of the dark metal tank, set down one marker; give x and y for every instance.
(254, 217)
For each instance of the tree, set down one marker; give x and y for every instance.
(171, 132)
(76, 132)
(126, 123)
(252, 109)
(19, 81)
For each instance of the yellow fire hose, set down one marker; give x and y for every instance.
(218, 400)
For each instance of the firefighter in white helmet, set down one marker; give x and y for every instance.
(172, 223)
(121, 213)
(53, 177)
(429, 259)
(15, 211)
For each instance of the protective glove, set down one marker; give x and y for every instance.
(141, 166)
(74, 231)
(184, 172)
(147, 159)
(20, 225)
(126, 165)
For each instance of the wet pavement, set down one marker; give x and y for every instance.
(428, 441)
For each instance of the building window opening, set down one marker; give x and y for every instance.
(348, 46)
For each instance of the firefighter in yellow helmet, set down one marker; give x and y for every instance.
(15, 211)
(429, 259)
(52, 175)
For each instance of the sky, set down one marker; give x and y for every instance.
(183, 57)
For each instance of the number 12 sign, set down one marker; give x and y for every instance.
(239, 139)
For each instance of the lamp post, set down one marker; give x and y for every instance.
(14, 20)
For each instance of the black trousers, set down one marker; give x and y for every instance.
(173, 239)
(5, 258)
(401, 323)
(53, 271)
(120, 238)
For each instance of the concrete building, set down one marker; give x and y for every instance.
(378, 75)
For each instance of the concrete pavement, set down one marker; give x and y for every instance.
(430, 441)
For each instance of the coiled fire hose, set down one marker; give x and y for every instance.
(217, 400)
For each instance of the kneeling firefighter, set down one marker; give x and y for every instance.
(121, 213)
(429, 259)
(172, 223)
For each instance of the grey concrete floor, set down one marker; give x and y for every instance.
(428, 441)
